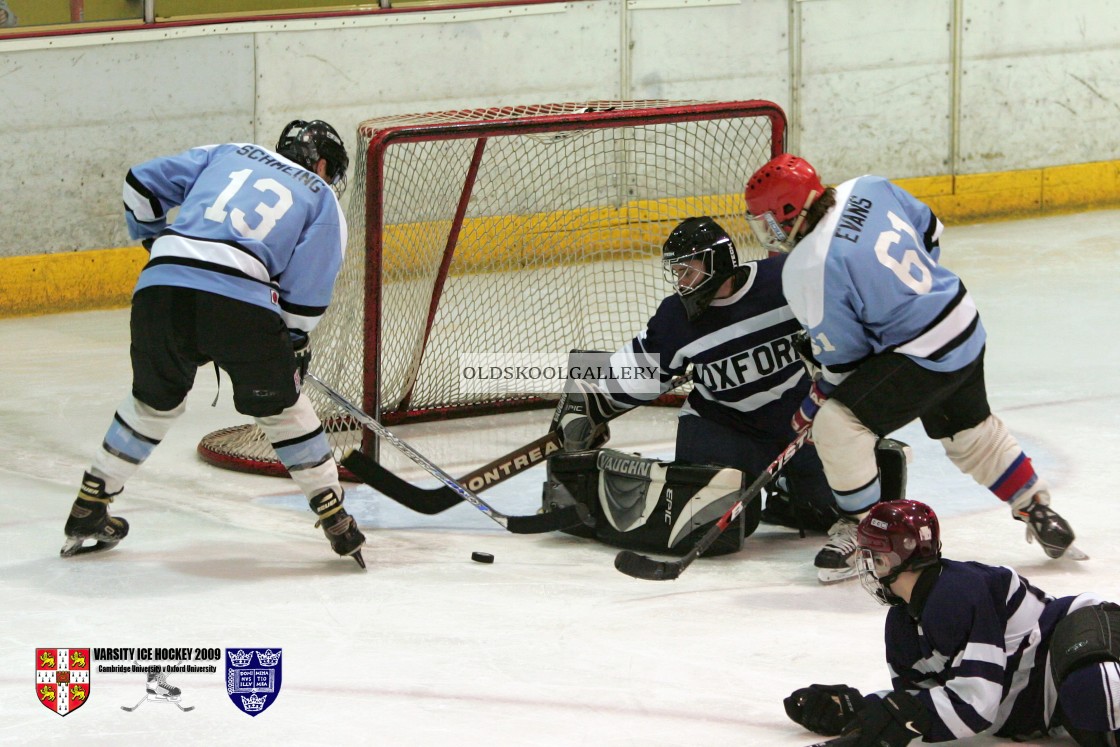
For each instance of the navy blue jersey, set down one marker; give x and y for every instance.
(746, 373)
(866, 280)
(977, 654)
(252, 225)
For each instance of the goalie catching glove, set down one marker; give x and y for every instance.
(582, 415)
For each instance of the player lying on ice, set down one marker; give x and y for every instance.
(897, 336)
(971, 648)
(240, 278)
(731, 324)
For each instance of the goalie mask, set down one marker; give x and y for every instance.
(895, 536)
(698, 257)
(307, 142)
(778, 196)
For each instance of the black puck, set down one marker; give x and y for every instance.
(482, 557)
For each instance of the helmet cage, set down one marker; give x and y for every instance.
(307, 142)
(698, 257)
(776, 236)
(688, 273)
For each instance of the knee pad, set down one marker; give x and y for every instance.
(644, 504)
(845, 446)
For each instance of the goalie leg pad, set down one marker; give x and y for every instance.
(891, 457)
(647, 505)
(573, 477)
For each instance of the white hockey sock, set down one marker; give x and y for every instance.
(135, 432)
(992, 457)
(297, 436)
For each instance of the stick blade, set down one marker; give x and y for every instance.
(648, 569)
(550, 521)
(420, 500)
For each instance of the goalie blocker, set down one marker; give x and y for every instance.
(647, 505)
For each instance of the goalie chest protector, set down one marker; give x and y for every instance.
(643, 504)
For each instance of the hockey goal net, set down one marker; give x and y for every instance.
(505, 231)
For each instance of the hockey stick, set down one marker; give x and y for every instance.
(436, 500)
(644, 567)
(564, 518)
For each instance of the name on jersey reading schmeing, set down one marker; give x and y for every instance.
(310, 180)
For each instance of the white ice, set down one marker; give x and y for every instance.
(550, 645)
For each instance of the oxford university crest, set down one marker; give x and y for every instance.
(253, 678)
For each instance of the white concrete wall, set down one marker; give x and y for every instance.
(901, 88)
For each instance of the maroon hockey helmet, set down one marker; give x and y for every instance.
(895, 536)
(778, 195)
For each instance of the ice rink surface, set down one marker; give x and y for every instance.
(549, 645)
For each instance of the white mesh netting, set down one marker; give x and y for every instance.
(536, 229)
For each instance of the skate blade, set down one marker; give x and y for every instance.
(835, 575)
(73, 546)
(1073, 552)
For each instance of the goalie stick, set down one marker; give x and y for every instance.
(564, 518)
(650, 569)
(436, 500)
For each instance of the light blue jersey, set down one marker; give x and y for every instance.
(252, 225)
(866, 281)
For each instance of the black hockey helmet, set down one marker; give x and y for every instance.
(698, 257)
(895, 536)
(307, 142)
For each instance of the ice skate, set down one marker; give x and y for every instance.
(1045, 525)
(90, 520)
(159, 690)
(339, 526)
(836, 561)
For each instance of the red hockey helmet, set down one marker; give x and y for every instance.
(896, 536)
(778, 196)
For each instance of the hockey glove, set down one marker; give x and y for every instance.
(803, 418)
(824, 709)
(301, 346)
(581, 416)
(893, 721)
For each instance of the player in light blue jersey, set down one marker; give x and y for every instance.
(891, 336)
(971, 648)
(240, 278)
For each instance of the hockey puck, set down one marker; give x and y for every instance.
(482, 557)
